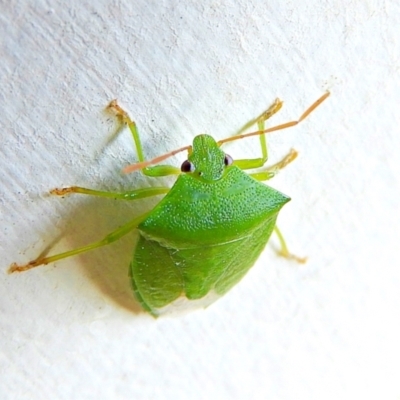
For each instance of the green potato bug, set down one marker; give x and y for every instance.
(208, 229)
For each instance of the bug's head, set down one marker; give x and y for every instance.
(206, 159)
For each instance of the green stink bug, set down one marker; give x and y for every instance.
(209, 228)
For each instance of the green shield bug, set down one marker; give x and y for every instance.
(208, 229)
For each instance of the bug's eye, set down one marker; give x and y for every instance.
(228, 160)
(187, 166)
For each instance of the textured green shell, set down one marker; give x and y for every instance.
(203, 236)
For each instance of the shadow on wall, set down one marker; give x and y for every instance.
(90, 219)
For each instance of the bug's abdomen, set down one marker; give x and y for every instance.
(161, 275)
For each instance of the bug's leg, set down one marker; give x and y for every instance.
(284, 251)
(155, 171)
(110, 238)
(259, 162)
(273, 109)
(260, 121)
(271, 171)
(268, 174)
(127, 195)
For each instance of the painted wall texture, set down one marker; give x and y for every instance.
(324, 330)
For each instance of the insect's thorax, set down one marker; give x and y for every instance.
(196, 213)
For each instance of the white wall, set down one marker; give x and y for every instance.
(325, 330)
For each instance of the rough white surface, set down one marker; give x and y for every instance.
(326, 330)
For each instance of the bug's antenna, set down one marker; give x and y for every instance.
(282, 126)
(140, 165)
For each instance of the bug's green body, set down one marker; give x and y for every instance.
(210, 227)
(205, 233)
